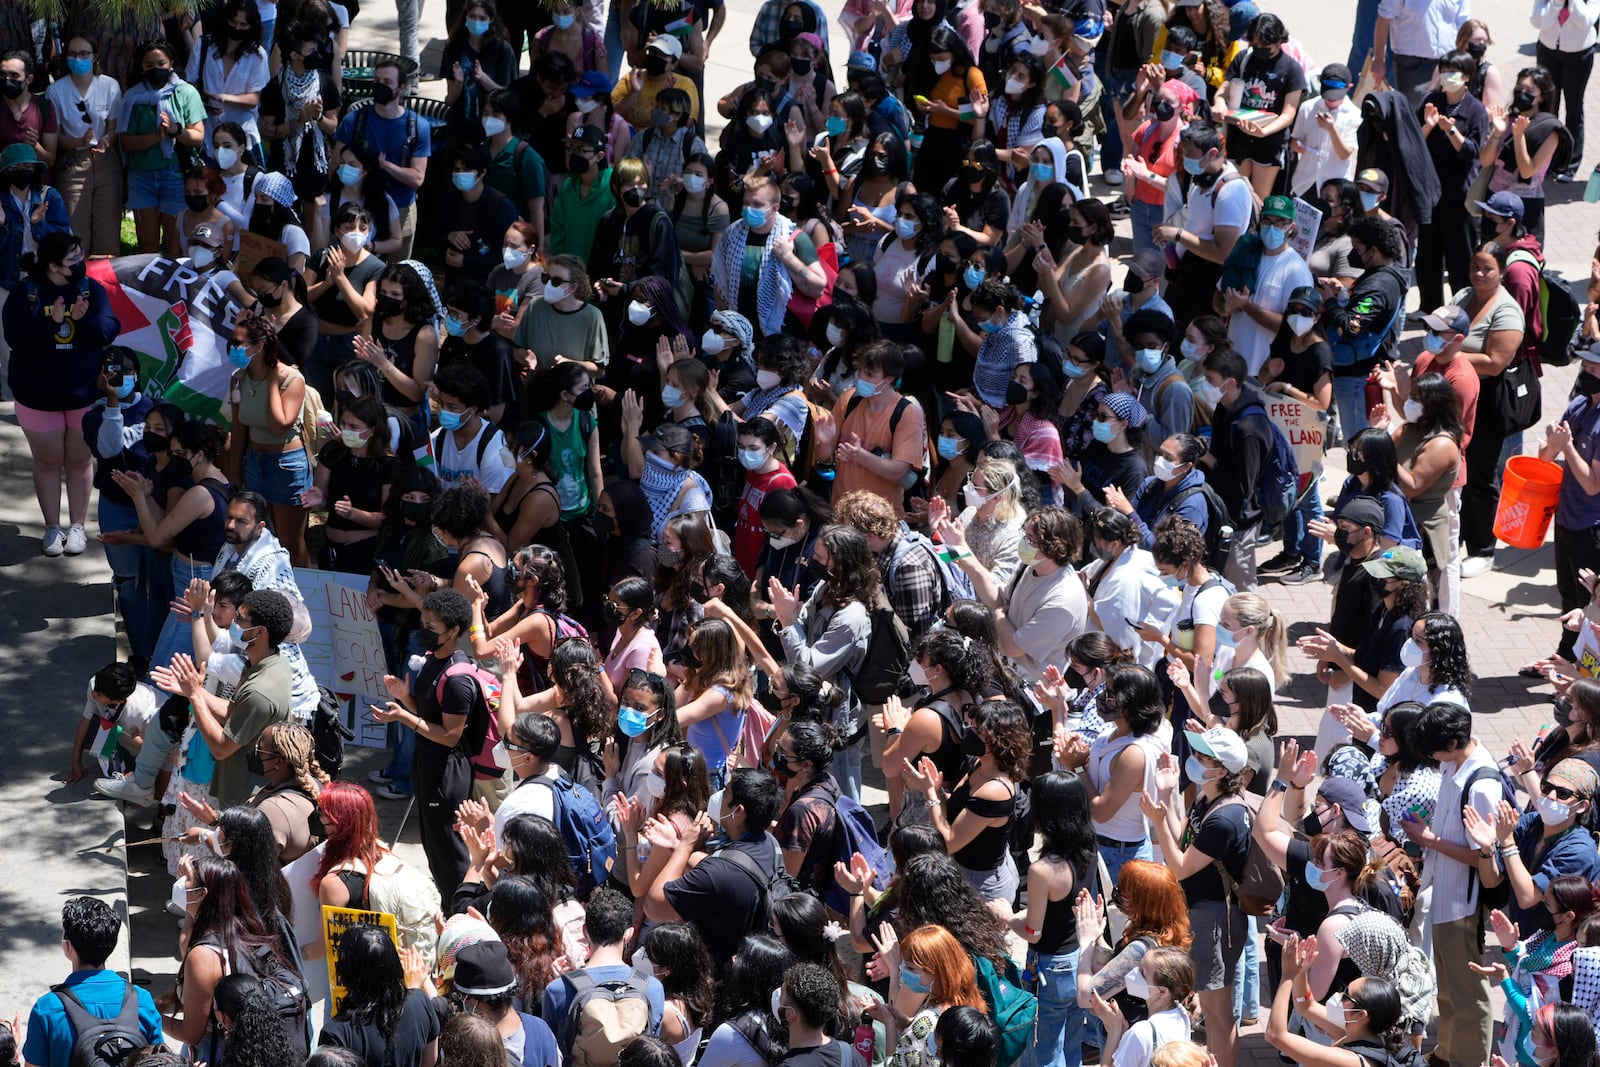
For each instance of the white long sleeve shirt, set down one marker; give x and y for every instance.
(1577, 34)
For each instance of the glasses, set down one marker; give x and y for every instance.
(1560, 792)
(516, 748)
(266, 754)
(554, 280)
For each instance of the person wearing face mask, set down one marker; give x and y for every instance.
(1367, 1020)
(30, 211)
(629, 607)
(1163, 980)
(1145, 336)
(791, 519)
(763, 260)
(1525, 142)
(1563, 49)
(87, 172)
(279, 292)
(806, 826)
(1124, 585)
(1537, 974)
(515, 169)
(1455, 126)
(1543, 847)
(357, 179)
(1430, 476)
(951, 671)
(477, 60)
(1324, 134)
(352, 481)
(115, 431)
(765, 473)
(1263, 78)
(342, 286)
(975, 203)
(1219, 204)
(1361, 321)
(471, 220)
(158, 115)
(636, 96)
(299, 111)
(882, 435)
(118, 713)
(1372, 194)
(210, 254)
(403, 140)
(1114, 459)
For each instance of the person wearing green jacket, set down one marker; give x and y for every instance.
(584, 197)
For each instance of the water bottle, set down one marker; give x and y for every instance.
(1591, 192)
(945, 351)
(865, 1039)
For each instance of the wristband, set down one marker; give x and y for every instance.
(892, 731)
(1030, 931)
(1280, 786)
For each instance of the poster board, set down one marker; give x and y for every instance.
(253, 248)
(1304, 426)
(1307, 224)
(345, 649)
(335, 921)
(1586, 654)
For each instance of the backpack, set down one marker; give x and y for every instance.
(888, 655)
(774, 884)
(407, 893)
(533, 675)
(1374, 1054)
(98, 1042)
(329, 733)
(1560, 313)
(491, 431)
(953, 581)
(920, 473)
(1012, 1008)
(1218, 547)
(285, 990)
(854, 831)
(1261, 884)
(604, 1018)
(309, 425)
(480, 753)
(1490, 897)
(591, 843)
(1279, 484)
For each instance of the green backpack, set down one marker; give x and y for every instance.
(1011, 1006)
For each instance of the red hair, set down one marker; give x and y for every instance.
(351, 821)
(952, 979)
(1153, 902)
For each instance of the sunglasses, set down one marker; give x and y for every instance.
(1560, 792)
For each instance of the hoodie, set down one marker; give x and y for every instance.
(1242, 445)
(54, 367)
(1390, 139)
(1153, 502)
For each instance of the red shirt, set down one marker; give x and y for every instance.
(749, 534)
(34, 118)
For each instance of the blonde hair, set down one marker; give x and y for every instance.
(1470, 27)
(868, 512)
(1179, 1054)
(624, 172)
(1272, 636)
(952, 979)
(1002, 476)
(299, 749)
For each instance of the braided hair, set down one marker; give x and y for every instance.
(296, 745)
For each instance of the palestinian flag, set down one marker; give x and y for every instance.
(1063, 75)
(966, 111)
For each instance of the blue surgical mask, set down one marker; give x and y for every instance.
(1369, 201)
(1104, 432)
(80, 67)
(835, 126)
(912, 981)
(1073, 370)
(1149, 359)
(949, 447)
(866, 390)
(1171, 60)
(989, 326)
(632, 722)
(125, 390)
(451, 420)
(1272, 237)
(1042, 172)
(1192, 165)
(1190, 350)
(907, 228)
(1225, 637)
(1196, 770)
(671, 396)
(348, 174)
(1433, 343)
(1316, 878)
(239, 356)
(236, 634)
(478, 26)
(464, 179)
(563, 22)
(453, 326)
(755, 217)
(973, 276)
(752, 458)
(1171, 581)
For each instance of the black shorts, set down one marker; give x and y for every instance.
(1262, 151)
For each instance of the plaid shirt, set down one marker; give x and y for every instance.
(915, 587)
(663, 155)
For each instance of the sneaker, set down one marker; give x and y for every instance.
(122, 787)
(1568, 175)
(389, 792)
(380, 777)
(1475, 566)
(55, 542)
(1304, 575)
(1282, 563)
(1119, 209)
(77, 540)
(1112, 177)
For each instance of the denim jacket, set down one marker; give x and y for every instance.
(56, 220)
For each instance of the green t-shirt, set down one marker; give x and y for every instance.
(569, 454)
(187, 109)
(518, 171)
(574, 218)
(750, 269)
(548, 333)
(262, 698)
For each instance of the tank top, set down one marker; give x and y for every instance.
(947, 757)
(986, 851)
(1058, 934)
(202, 539)
(506, 517)
(403, 354)
(253, 399)
(569, 454)
(498, 589)
(1128, 823)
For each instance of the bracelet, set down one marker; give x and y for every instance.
(1302, 1000)
(474, 631)
(831, 173)
(892, 731)
(1511, 850)
(1029, 931)
(1486, 855)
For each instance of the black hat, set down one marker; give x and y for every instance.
(484, 970)
(593, 136)
(1363, 511)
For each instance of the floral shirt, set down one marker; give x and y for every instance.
(1077, 429)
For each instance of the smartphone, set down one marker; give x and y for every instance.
(114, 372)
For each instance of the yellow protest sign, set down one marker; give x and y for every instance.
(335, 921)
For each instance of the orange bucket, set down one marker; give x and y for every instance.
(1529, 487)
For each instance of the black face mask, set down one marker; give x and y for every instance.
(1050, 129)
(12, 87)
(655, 65)
(801, 67)
(179, 467)
(767, 85)
(819, 571)
(1477, 49)
(786, 205)
(1016, 393)
(383, 94)
(604, 527)
(1356, 464)
(789, 29)
(875, 165)
(388, 305)
(577, 164)
(1132, 283)
(1341, 540)
(691, 658)
(428, 640)
(1356, 259)
(255, 764)
(1586, 383)
(613, 614)
(197, 201)
(416, 511)
(781, 767)
(991, 19)
(946, 264)
(584, 400)
(972, 743)
(1164, 109)
(634, 197)
(272, 300)
(156, 77)
(156, 442)
(1522, 100)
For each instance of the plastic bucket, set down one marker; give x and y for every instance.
(1528, 491)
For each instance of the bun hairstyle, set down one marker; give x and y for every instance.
(814, 742)
(1191, 449)
(959, 657)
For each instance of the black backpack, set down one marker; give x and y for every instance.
(329, 733)
(888, 655)
(285, 990)
(1490, 897)
(98, 1042)
(1218, 547)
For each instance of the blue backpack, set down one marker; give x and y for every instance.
(855, 832)
(591, 843)
(1279, 484)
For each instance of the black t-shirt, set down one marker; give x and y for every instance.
(1379, 650)
(330, 306)
(493, 358)
(1268, 80)
(833, 1054)
(357, 477)
(1456, 166)
(734, 378)
(298, 337)
(1304, 908)
(1355, 602)
(1101, 467)
(978, 208)
(417, 1027)
(460, 693)
(720, 898)
(1223, 833)
(1303, 370)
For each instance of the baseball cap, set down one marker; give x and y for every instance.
(1506, 205)
(1147, 263)
(1307, 297)
(861, 61)
(669, 437)
(1352, 800)
(593, 83)
(1277, 207)
(1373, 180)
(667, 45)
(1335, 76)
(1363, 511)
(1590, 354)
(593, 136)
(1222, 745)
(483, 969)
(1452, 318)
(1400, 562)
(208, 235)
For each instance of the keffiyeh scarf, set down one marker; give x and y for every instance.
(661, 482)
(298, 91)
(774, 287)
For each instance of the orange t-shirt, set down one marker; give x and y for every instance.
(951, 89)
(910, 444)
(1161, 158)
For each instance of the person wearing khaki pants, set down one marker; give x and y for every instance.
(88, 171)
(1466, 1021)
(90, 181)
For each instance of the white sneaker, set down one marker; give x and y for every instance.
(379, 777)
(54, 541)
(77, 539)
(1474, 566)
(122, 787)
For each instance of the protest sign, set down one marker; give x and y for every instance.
(253, 248)
(335, 921)
(1307, 223)
(1304, 426)
(345, 649)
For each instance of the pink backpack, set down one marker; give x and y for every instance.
(483, 761)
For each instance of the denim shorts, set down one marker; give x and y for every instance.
(279, 476)
(156, 188)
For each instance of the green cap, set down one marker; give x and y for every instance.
(1401, 562)
(1277, 207)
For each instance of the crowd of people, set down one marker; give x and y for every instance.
(851, 444)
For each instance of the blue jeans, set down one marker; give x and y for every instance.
(1118, 84)
(1247, 984)
(129, 574)
(1145, 218)
(1116, 857)
(1297, 538)
(1059, 1031)
(176, 634)
(280, 477)
(1361, 39)
(1350, 401)
(613, 43)
(402, 739)
(847, 770)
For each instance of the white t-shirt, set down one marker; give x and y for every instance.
(1233, 204)
(1204, 609)
(1276, 278)
(137, 714)
(1133, 590)
(1321, 162)
(103, 101)
(1147, 1035)
(528, 799)
(458, 463)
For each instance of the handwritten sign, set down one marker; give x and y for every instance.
(345, 650)
(1307, 222)
(253, 248)
(1304, 426)
(335, 921)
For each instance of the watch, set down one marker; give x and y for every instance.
(1279, 785)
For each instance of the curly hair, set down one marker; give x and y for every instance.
(298, 748)
(1153, 901)
(256, 1034)
(544, 566)
(1057, 534)
(259, 330)
(934, 890)
(535, 849)
(1004, 727)
(461, 511)
(1447, 652)
(1179, 543)
(520, 913)
(576, 668)
(416, 305)
(853, 570)
(960, 656)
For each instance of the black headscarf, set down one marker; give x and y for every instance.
(1390, 139)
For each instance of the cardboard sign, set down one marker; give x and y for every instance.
(1307, 223)
(335, 921)
(1586, 654)
(1304, 426)
(253, 248)
(345, 649)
